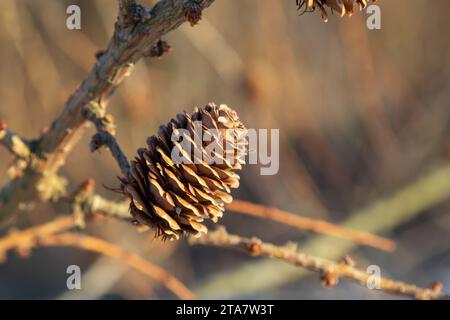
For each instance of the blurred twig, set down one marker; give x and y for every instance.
(88, 203)
(125, 8)
(314, 225)
(94, 203)
(85, 203)
(13, 142)
(27, 238)
(330, 271)
(49, 234)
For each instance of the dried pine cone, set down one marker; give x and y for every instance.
(343, 7)
(176, 197)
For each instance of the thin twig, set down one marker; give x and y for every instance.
(50, 234)
(381, 216)
(26, 239)
(85, 200)
(125, 7)
(107, 139)
(129, 43)
(16, 145)
(330, 271)
(314, 225)
(114, 209)
(114, 251)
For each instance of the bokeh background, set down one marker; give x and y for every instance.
(363, 116)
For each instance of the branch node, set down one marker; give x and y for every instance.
(329, 279)
(192, 10)
(158, 49)
(436, 286)
(123, 51)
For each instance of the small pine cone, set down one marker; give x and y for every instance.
(175, 196)
(193, 11)
(343, 7)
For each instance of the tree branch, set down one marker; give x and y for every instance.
(330, 271)
(24, 240)
(90, 203)
(129, 43)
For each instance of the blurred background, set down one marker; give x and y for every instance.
(364, 117)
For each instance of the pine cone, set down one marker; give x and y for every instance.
(343, 7)
(176, 197)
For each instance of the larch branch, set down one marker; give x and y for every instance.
(125, 7)
(330, 271)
